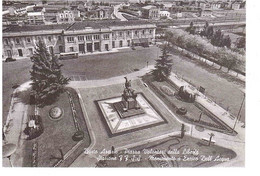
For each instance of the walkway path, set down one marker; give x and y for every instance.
(15, 123)
(119, 14)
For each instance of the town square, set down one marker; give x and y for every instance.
(124, 84)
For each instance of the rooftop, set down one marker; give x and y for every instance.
(74, 26)
(149, 7)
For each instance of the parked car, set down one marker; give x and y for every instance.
(9, 59)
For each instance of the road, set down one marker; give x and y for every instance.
(119, 14)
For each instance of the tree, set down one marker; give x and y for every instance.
(241, 43)
(163, 65)
(191, 29)
(217, 39)
(207, 31)
(47, 79)
(227, 41)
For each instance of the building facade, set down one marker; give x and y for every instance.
(65, 16)
(80, 37)
(150, 12)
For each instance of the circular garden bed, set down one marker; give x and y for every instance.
(55, 113)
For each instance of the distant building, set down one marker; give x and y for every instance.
(216, 5)
(36, 15)
(236, 5)
(65, 16)
(151, 12)
(164, 13)
(80, 37)
(206, 13)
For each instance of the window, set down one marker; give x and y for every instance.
(28, 39)
(120, 34)
(39, 38)
(151, 31)
(59, 37)
(9, 53)
(96, 37)
(30, 51)
(6, 41)
(17, 41)
(121, 43)
(89, 37)
(51, 50)
(136, 32)
(81, 38)
(128, 33)
(71, 49)
(113, 44)
(143, 32)
(61, 49)
(49, 38)
(128, 42)
(70, 39)
(106, 36)
(96, 46)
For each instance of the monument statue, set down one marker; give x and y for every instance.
(129, 96)
(128, 106)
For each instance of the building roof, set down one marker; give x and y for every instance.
(35, 28)
(104, 24)
(75, 26)
(149, 7)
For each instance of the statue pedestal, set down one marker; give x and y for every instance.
(125, 112)
(130, 103)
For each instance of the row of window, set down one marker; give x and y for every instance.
(28, 40)
(20, 51)
(88, 38)
(80, 38)
(136, 32)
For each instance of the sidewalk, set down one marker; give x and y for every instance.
(15, 123)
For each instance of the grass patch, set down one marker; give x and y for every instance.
(58, 134)
(193, 109)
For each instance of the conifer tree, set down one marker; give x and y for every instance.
(47, 79)
(163, 66)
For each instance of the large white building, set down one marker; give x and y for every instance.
(80, 37)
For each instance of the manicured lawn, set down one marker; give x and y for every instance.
(58, 134)
(109, 65)
(197, 159)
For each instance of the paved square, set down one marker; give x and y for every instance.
(139, 121)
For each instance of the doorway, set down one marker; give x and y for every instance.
(106, 47)
(20, 52)
(82, 48)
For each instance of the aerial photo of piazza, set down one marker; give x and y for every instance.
(124, 83)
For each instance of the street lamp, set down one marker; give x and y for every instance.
(239, 113)
(8, 150)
